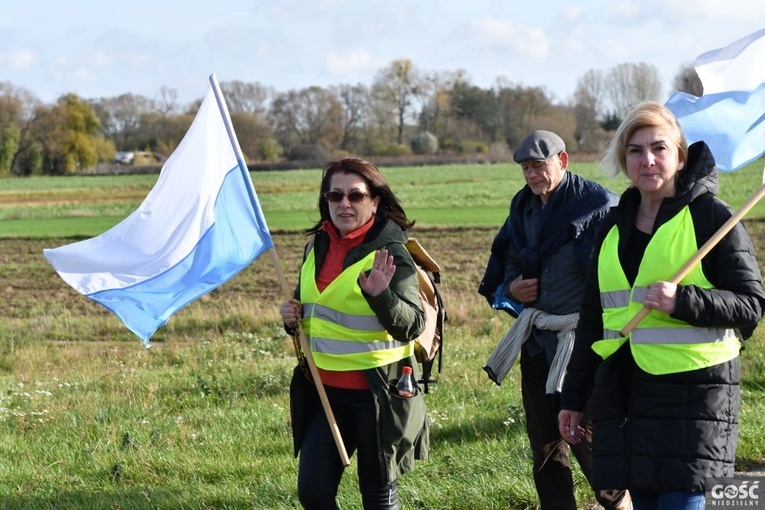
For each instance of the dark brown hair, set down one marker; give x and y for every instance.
(389, 206)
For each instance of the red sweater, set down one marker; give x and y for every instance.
(331, 269)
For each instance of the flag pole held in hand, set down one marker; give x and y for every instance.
(314, 372)
(277, 266)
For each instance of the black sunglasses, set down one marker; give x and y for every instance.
(354, 197)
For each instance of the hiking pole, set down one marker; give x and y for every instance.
(703, 251)
(314, 372)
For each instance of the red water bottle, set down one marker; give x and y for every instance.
(405, 385)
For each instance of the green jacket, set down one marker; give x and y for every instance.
(402, 423)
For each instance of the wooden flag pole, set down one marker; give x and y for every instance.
(683, 271)
(275, 258)
(314, 371)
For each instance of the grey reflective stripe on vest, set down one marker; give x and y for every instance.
(638, 294)
(620, 298)
(357, 322)
(615, 299)
(675, 335)
(329, 346)
(682, 335)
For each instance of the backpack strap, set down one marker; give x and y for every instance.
(309, 246)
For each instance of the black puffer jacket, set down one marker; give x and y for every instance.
(669, 432)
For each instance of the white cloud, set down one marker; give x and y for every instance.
(577, 40)
(718, 11)
(572, 12)
(19, 60)
(624, 10)
(81, 74)
(101, 58)
(350, 62)
(499, 35)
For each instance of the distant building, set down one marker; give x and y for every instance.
(139, 158)
(124, 158)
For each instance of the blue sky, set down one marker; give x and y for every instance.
(104, 48)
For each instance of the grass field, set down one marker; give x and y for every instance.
(90, 419)
(457, 195)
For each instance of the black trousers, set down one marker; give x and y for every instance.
(550, 452)
(320, 467)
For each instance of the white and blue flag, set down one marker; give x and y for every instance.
(199, 226)
(730, 115)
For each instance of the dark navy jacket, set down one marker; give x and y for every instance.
(573, 213)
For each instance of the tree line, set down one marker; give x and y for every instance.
(404, 111)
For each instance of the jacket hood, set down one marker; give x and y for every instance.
(700, 173)
(385, 231)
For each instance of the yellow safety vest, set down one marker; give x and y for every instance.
(342, 330)
(659, 343)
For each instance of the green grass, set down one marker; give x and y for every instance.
(65, 227)
(455, 195)
(90, 419)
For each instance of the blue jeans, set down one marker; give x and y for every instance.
(646, 500)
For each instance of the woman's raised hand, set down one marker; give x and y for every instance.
(380, 274)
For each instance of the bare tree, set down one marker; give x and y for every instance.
(396, 87)
(630, 84)
(354, 100)
(436, 97)
(590, 91)
(687, 80)
(121, 118)
(26, 101)
(310, 116)
(161, 134)
(168, 101)
(519, 106)
(588, 108)
(252, 131)
(246, 97)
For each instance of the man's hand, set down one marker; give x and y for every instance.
(524, 291)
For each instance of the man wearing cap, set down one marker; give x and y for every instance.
(539, 260)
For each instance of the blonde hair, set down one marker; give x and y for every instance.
(645, 114)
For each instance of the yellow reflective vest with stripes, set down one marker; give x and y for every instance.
(342, 330)
(659, 343)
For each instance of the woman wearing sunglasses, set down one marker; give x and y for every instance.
(358, 303)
